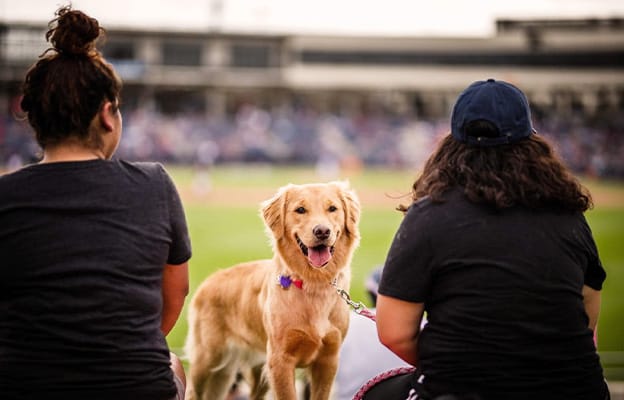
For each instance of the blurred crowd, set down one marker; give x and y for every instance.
(296, 134)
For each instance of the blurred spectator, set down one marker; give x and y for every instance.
(591, 143)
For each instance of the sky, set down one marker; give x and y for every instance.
(355, 17)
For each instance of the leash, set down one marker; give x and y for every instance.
(361, 309)
(285, 281)
(358, 307)
(359, 395)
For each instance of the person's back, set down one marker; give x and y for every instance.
(94, 251)
(505, 317)
(495, 249)
(83, 246)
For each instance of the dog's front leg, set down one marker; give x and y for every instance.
(281, 372)
(323, 370)
(285, 352)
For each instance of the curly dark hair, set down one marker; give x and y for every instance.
(64, 89)
(527, 173)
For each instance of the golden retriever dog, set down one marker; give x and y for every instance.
(265, 318)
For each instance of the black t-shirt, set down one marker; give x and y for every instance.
(503, 295)
(82, 251)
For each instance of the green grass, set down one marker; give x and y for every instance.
(608, 228)
(224, 234)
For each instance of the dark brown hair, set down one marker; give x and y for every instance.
(527, 173)
(64, 89)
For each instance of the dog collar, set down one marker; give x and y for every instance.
(285, 281)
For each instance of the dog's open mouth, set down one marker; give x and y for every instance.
(318, 256)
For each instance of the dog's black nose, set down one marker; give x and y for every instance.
(321, 232)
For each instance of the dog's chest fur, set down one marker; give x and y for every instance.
(314, 304)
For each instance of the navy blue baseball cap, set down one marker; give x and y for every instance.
(498, 102)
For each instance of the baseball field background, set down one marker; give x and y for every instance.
(222, 207)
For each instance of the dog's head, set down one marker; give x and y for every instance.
(314, 226)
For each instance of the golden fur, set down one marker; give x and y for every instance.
(242, 319)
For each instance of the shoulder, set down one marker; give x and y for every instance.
(15, 179)
(9, 182)
(142, 166)
(152, 171)
(450, 200)
(11, 176)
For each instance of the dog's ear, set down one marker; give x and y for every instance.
(351, 206)
(273, 210)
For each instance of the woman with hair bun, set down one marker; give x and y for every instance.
(94, 250)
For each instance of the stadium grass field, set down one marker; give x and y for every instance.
(223, 216)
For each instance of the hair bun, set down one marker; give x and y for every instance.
(75, 32)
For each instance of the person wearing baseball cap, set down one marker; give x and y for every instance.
(499, 103)
(495, 248)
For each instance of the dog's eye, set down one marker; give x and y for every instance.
(332, 208)
(300, 210)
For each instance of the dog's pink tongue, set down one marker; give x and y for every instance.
(319, 256)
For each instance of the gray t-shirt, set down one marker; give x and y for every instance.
(82, 251)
